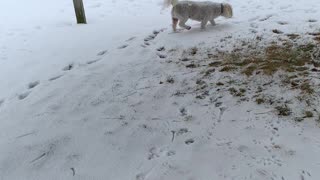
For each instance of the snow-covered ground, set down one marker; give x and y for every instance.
(106, 101)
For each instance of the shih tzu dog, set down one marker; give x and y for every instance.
(203, 11)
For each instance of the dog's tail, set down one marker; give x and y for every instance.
(168, 3)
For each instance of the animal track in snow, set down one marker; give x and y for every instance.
(266, 17)
(162, 48)
(222, 111)
(157, 153)
(182, 131)
(312, 20)
(189, 141)
(123, 46)
(151, 37)
(242, 148)
(130, 39)
(93, 61)
(55, 77)
(33, 84)
(183, 111)
(162, 56)
(23, 95)
(73, 171)
(171, 153)
(277, 31)
(68, 67)
(140, 176)
(282, 22)
(153, 153)
(101, 53)
(1, 102)
(306, 173)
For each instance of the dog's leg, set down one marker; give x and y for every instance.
(182, 24)
(204, 23)
(213, 23)
(174, 24)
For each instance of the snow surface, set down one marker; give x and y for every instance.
(86, 102)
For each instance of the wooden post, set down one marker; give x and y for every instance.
(79, 9)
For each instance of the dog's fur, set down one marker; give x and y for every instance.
(200, 11)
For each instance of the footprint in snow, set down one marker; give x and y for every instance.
(93, 61)
(162, 48)
(183, 111)
(312, 20)
(171, 153)
(55, 77)
(32, 85)
(157, 153)
(242, 148)
(282, 22)
(306, 173)
(182, 131)
(23, 95)
(277, 31)
(266, 18)
(101, 53)
(130, 39)
(153, 153)
(151, 37)
(1, 102)
(162, 56)
(189, 141)
(123, 46)
(140, 176)
(68, 67)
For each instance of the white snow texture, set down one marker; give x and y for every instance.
(98, 101)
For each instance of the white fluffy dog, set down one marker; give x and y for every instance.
(200, 11)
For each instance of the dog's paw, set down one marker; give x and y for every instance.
(188, 28)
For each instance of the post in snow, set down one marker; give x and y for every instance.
(79, 9)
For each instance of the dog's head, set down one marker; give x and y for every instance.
(227, 10)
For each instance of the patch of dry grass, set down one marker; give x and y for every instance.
(266, 70)
(260, 100)
(306, 88)
(270, 59)
(228, 68)
(308, 114)
(283, 110)
(234, 92)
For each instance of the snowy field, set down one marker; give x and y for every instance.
(125, 98)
